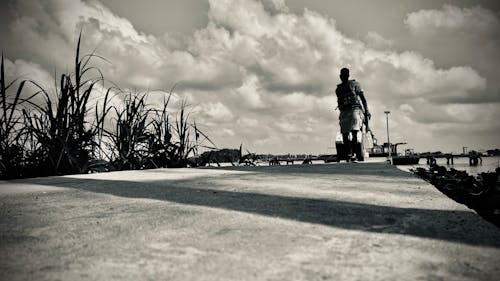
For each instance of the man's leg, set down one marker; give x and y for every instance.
(347, 147)
(354, 144)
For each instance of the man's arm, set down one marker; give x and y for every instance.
(361, 95)
(365, 106)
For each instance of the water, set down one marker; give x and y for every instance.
(462, 163)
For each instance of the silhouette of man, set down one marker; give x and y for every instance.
(352, 103)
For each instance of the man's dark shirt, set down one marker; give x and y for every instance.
(347, 95)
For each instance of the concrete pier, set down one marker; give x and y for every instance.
(349, 221)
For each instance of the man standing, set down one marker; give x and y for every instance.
(351, 103)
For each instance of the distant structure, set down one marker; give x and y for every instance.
(381, 150)
(493, 152)
(475, 158)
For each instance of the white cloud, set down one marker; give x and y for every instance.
(247, 122)
(475, 19)
(275, 6)
(228, 132)
(260, 72)
(409, 75)
(377, 41)
(217, 112)
(467, 37)
(407, 108)
(249, 92)
(22, 70)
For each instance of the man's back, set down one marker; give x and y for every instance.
(347, 95)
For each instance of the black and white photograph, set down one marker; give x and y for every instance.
(249, 140)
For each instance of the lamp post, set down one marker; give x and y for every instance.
(388, 140)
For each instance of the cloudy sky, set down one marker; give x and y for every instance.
(262, 73)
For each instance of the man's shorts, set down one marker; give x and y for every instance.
(351, 119)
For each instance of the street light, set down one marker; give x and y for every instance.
(388, 141)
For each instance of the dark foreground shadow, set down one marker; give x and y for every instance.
(455, 226)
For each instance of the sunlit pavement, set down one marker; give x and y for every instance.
(355, 221)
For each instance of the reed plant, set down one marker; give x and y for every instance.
(160, 141)
(68, 133)
(129, 139)
(183, 145)
(188, 140)
(146, 137)
(11, 132)
(63, 126)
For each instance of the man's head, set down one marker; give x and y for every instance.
(344, 74)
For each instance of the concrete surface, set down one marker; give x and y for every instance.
(359, 221)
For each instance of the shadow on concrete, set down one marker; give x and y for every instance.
(454, 226)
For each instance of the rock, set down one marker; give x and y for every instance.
(481, 193)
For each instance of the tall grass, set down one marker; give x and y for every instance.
(67, 133)
(146, 137)
(11, 148)
(62, 125)
(130, 135)
(188, 139)
(160, 142)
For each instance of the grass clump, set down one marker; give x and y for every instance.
(68, 133)
(62, 125)
(12, 134)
